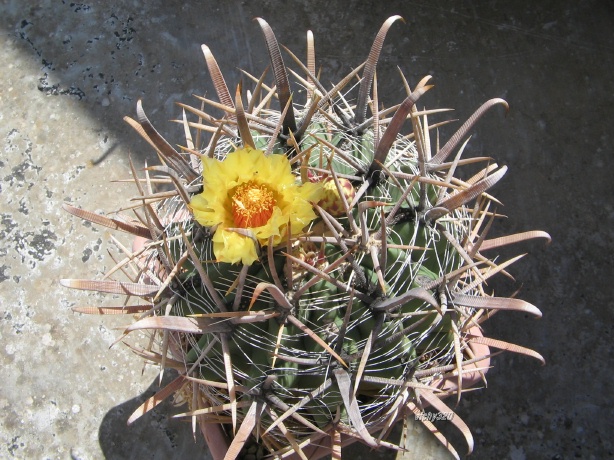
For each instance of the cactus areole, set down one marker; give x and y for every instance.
(314, 275)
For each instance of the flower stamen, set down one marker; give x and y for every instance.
(252, 205)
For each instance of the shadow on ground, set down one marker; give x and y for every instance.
(153, 436)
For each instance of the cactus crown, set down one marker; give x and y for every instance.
(314, 275)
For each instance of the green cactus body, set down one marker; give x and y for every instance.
(328, 328)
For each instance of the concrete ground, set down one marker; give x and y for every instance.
(70, 72)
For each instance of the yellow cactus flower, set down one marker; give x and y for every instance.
(255, 192)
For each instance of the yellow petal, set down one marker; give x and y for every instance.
(275, 227)
(231, 247)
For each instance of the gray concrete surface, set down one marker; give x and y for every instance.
(70, 72)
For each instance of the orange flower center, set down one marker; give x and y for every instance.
(252, 205)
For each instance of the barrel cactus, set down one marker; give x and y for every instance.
(313, 274)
